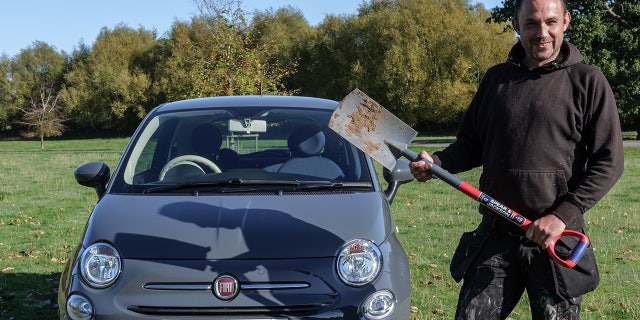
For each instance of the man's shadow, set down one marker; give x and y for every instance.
(232, 234)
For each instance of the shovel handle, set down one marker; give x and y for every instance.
(504, 211)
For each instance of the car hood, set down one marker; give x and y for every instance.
(237, 227)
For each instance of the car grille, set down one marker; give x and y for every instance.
(297, 310)
(230, 311)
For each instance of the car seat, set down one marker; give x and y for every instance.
(206, 141)
(306, 144)
(227, 159)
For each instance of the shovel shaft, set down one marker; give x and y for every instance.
(436, 170)
(472, 192)
(505, 212)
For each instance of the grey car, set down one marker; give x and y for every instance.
(245, 207)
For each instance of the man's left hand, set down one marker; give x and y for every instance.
(543, 230)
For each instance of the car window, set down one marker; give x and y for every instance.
(284, 144)
(146, 157)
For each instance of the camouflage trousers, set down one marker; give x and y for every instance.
(501, 272)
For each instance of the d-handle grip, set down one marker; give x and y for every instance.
(577, 252)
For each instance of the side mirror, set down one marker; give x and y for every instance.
(398, 175)
(94, 175)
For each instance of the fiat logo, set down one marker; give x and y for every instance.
(226, 287)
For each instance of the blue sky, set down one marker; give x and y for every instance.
(66, 23)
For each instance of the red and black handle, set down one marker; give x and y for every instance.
(506, 212)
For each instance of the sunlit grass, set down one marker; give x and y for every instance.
(432, 216)
(44, 211)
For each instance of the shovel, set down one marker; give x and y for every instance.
(385, 138)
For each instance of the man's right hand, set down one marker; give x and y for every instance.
(420, 169)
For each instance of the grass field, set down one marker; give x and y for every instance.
(44, 211)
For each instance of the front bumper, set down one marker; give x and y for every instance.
(269, 289)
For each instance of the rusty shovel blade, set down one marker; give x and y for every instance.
(371, 128)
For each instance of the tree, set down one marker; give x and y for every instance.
(23, 76)
(422, 59)
(108, 86)
(608, 35)
(6, 95)
(326, 65)
(42, 116)
(283, 37)
(216, 54)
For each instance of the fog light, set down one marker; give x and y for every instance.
(79, 307)
(379, 305)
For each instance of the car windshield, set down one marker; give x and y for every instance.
(240, 147)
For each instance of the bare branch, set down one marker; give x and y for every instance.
(621, 20)
(41, 116)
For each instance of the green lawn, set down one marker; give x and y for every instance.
(431, 217)
(44, 211)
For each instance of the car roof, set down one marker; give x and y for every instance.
(248, 101)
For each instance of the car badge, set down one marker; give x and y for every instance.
(226, 287)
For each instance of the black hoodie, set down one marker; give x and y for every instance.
(548, 139)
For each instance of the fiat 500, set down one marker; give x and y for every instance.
(244, 207)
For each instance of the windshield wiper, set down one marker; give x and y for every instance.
(335, 185)
(224, 183)
(231, 184)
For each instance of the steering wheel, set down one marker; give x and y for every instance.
(189, 158)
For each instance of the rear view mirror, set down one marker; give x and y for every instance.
(247, 125)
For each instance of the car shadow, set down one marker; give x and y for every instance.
(29, 295)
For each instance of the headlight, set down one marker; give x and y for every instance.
(359, 262)
(100, 265)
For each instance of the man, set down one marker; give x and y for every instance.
(544, 126)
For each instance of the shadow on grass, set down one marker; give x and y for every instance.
(29, 296)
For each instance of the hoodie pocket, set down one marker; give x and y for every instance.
(470, 245)
(530, 192)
